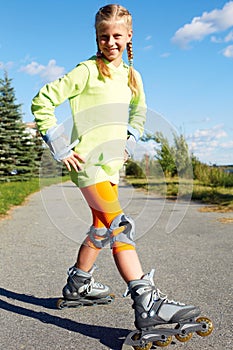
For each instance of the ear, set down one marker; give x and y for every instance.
(130, 35)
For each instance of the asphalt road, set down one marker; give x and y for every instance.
(190, 250)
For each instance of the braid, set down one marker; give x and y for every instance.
(133, 84)
(130, 53)
(102, 67)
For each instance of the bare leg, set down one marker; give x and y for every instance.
(127, 262)
(86, 258)
(128, 265)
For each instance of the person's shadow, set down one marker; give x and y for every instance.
(111, 337)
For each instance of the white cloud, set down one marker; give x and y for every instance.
(216, 40)
(227, 145)
(207, 144)
(228, 51)
(33, 68)
(209, 23)
(7, 65)
(165, 54)
(48, 73)
(229, 37)
(216, 132)
(148, 47)
(145, 148)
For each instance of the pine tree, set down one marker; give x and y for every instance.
(17, 147)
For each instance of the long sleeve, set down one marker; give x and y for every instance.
(53, 94)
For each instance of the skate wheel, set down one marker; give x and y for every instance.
(183, 337)
(162, 343)
(145, 347)
(111, 297)
(60, 303)
(207, 326)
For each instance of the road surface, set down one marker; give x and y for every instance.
(190, 250)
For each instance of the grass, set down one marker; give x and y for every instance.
(15, 193)
(220, 198)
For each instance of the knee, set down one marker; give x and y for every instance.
(122, 230)
(97, 238)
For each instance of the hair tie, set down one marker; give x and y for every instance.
(131, 62)
(98, 54)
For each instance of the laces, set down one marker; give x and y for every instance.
(162, 296)
(159, 295)
(97, 285)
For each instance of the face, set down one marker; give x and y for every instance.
(112, 39)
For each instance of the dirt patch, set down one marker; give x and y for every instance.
(216, 209)
(226, 220)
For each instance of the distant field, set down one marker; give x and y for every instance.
(15, 193)
(220, 197)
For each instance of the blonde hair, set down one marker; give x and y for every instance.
(106, 14)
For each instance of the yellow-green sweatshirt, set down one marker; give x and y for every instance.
(103, 109)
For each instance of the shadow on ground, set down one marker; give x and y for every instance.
(111, 337)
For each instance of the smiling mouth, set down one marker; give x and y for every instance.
(112, 50)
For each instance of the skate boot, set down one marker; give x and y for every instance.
(153, 309)
(82, 290)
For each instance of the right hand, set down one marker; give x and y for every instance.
(75, 161)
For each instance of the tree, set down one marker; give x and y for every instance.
(134, 169)
(182, 157)
(165, 155)
(17, 147)
(174, 159)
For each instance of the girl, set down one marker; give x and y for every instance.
(108, 107)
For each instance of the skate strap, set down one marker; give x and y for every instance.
(148, 276)
(126, 293)
(94, 267)
(84, 290)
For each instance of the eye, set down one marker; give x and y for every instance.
(103, 37)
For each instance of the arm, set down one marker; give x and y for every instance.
(53, 94)
(43, 108)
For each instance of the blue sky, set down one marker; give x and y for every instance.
(183, 50)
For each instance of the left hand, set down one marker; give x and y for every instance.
(75, 161)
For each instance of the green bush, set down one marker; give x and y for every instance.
(211, 175)
(134, 169)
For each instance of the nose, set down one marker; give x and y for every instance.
(111, 41)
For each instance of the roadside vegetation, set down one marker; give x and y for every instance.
(173, 173)
(217, 198)
(15, 193)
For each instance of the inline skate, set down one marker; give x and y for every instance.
(157, 319)
(82, 290)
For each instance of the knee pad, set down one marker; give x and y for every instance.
(122, 230)
(99, 237)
